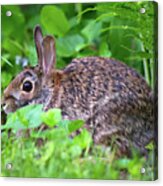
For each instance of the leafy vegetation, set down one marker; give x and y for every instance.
(54, 153)
(116, 30)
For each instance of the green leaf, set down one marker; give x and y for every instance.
(25, 117)
(64, 124)
(122, 163)
(92, 30)
(71, 126)
(13, 122)
(54, 20)
(34, 112)
(73, 22)
(75, 125)
(150, 146)
(51, 117)
(104, 50)
(84, 139)
(70, 45)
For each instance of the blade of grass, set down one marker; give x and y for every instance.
(7, 61)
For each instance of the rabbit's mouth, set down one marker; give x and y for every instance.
(11, 105)
(8, 106)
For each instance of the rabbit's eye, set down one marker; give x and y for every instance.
(27, 86)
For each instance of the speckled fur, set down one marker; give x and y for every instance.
(113, 99)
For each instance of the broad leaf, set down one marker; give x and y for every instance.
(54, 20)
(69, 45)
(25, 117)
(71, 126)
(51, 117)
(92, 30)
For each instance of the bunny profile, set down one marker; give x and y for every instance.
(113, 99)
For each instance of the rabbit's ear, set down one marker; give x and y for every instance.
(49, 55)
(38, 37)
(45, 51)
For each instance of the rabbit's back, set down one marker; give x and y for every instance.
(95, 81)
(113, 99)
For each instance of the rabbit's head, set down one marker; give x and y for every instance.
(33, 84)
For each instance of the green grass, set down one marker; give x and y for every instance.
(35, 152)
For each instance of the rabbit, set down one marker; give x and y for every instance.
(113, 99)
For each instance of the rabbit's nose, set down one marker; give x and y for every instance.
(4, 105)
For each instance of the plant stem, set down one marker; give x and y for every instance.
(152, 71)
(146, 66)
(146, 71)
